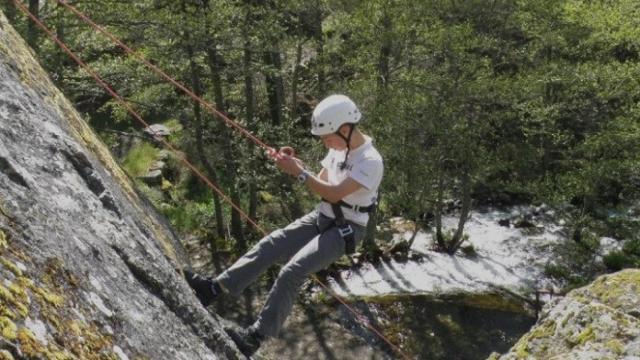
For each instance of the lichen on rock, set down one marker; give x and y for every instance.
(597, 321)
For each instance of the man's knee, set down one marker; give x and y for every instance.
(270, 240)
(292, 274)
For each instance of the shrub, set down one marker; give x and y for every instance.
(139, 159)
(618, 260)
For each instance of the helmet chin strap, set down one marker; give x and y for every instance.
(347, 139)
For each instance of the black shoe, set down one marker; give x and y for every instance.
(248, 340)
(206, 289)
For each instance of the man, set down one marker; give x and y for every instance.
(348, 184)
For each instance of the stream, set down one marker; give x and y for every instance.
(428, 329)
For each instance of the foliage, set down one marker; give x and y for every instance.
(628, 257)
(139, 159)
(192, 217)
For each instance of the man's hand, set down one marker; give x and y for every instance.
(289, 164)
(285, 159)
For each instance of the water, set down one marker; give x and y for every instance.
(428, 329)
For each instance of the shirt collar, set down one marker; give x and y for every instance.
(360, 149)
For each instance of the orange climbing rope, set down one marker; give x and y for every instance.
(359, 317)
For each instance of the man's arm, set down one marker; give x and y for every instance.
(332, 193)
(323, 175)
(319, 183)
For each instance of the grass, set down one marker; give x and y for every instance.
(139, 159)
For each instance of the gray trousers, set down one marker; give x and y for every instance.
(308, 245)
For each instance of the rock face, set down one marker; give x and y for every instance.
(87, 267)
(599, 321)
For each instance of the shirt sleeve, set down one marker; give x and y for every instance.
(368, 173)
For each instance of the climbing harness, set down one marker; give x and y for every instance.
(344, 228)
(270, 150)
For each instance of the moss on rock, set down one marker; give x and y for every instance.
(615, 345)
(619, 290)
(71, 337)
(583, 337)
(8, 328)
(3, 241)
(10, 266)
(5, 355)
(593, 321)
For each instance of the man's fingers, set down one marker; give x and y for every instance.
(287, 150)
(271, 152)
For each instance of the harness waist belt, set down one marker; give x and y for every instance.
(356, 208)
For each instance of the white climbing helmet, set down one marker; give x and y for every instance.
(333, 112)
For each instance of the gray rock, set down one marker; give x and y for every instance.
(598, 321)
(153, 177)
(87, 266)
(164, 155)
(157, 130)
(158, 165)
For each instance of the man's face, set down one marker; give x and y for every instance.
(333, 141)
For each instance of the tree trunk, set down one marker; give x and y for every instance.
(369, 246)
(416, 228)
(438, 213)
(32, 29)
(199, 130)
(319, 37)
(385, 52)
(216, 79)
(458, 237)
(227, 149)
(416, 218)
(10, 11)
(249, 100)
(294, 83)
(253, 200)
(236, 219)
(249, 97)
(275, 87)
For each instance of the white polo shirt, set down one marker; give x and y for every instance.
(365, 166)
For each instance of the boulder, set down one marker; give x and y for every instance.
(157, 131)
(152, 178)
(164, 155)
(158, 165)
(599, 321)
(87, 266)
